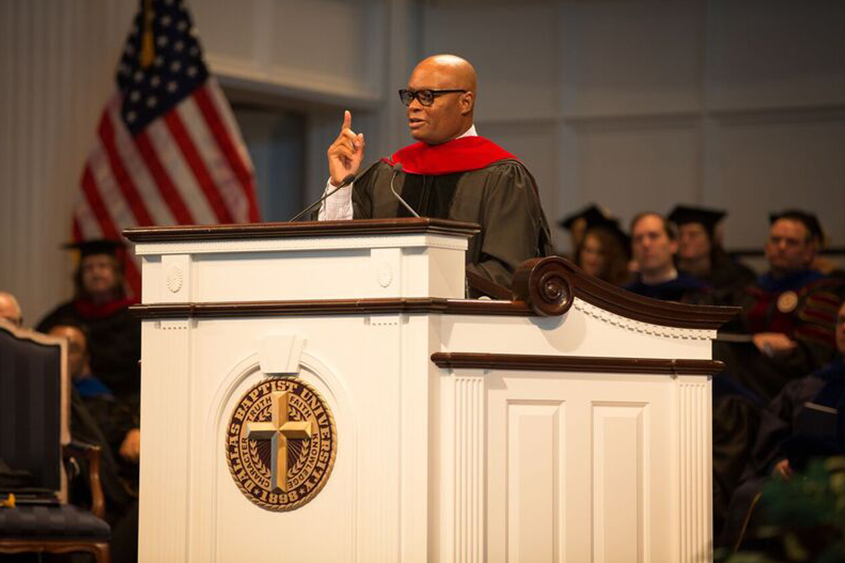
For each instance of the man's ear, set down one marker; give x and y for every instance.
(467, 102)
(810, 253)
(673, 246)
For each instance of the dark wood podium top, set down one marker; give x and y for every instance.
(357, 227)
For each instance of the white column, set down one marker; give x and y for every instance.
(463, 455)
(695, 471)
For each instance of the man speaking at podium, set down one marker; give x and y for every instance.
(450, 173)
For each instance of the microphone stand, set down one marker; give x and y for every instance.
(346, 181)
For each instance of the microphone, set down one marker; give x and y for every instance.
(397, 168)
(346, 181)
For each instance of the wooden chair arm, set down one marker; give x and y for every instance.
(91, 454)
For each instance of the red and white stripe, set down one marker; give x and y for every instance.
(190, 166)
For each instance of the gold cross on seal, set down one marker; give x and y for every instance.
(279, 430)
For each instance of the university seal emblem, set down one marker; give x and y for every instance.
(787, 302)
(281, 444)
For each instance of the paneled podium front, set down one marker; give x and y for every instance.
(323, 392)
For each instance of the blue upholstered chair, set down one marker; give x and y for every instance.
(35, 443)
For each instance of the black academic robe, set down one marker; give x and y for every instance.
(684, 289)
(783, 435)
(118, 488)
(727, 280)
(501, 197)
(736, 420)
(114, 418)
(728, 274)
(114, 346)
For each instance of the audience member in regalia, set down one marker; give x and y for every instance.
(604, 253)
(701, 255)
(805, 420)
(101, 305)
(654, 245)
(116, 420)
(787, 315)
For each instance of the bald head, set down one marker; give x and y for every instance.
(458, 73)
(450, 114)
(10, 309)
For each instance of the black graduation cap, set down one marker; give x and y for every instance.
(592, 214)
(808, 219)
(98, 246)
(708, 218)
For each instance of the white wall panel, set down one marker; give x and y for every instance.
(621, 58)
(324, 50)
(782, 53)
(513, 51)
(231, 29)
(770, 162)
(635, 165)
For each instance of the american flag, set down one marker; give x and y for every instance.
(168, 150)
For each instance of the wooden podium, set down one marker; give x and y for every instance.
(571, 424)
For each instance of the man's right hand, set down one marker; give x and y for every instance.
(346, 153)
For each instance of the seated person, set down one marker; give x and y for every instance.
(117, 421)
(10, 310)
(802, 422)
(604, 253)
(654, 245)
(700, 253)
(450, 173)
(100, 305)
(787, 316)
(98, 418)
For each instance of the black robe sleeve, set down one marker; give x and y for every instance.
(778, 420)
(514, 228)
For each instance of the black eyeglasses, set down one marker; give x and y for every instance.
(424, 97)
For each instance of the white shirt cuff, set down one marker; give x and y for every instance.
(338, 206)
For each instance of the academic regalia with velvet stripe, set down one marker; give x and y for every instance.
(467, 179)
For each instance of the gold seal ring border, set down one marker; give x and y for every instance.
(330, 465)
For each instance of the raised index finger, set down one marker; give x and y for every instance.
(347, 120)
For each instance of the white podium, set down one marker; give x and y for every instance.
(463, 430)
